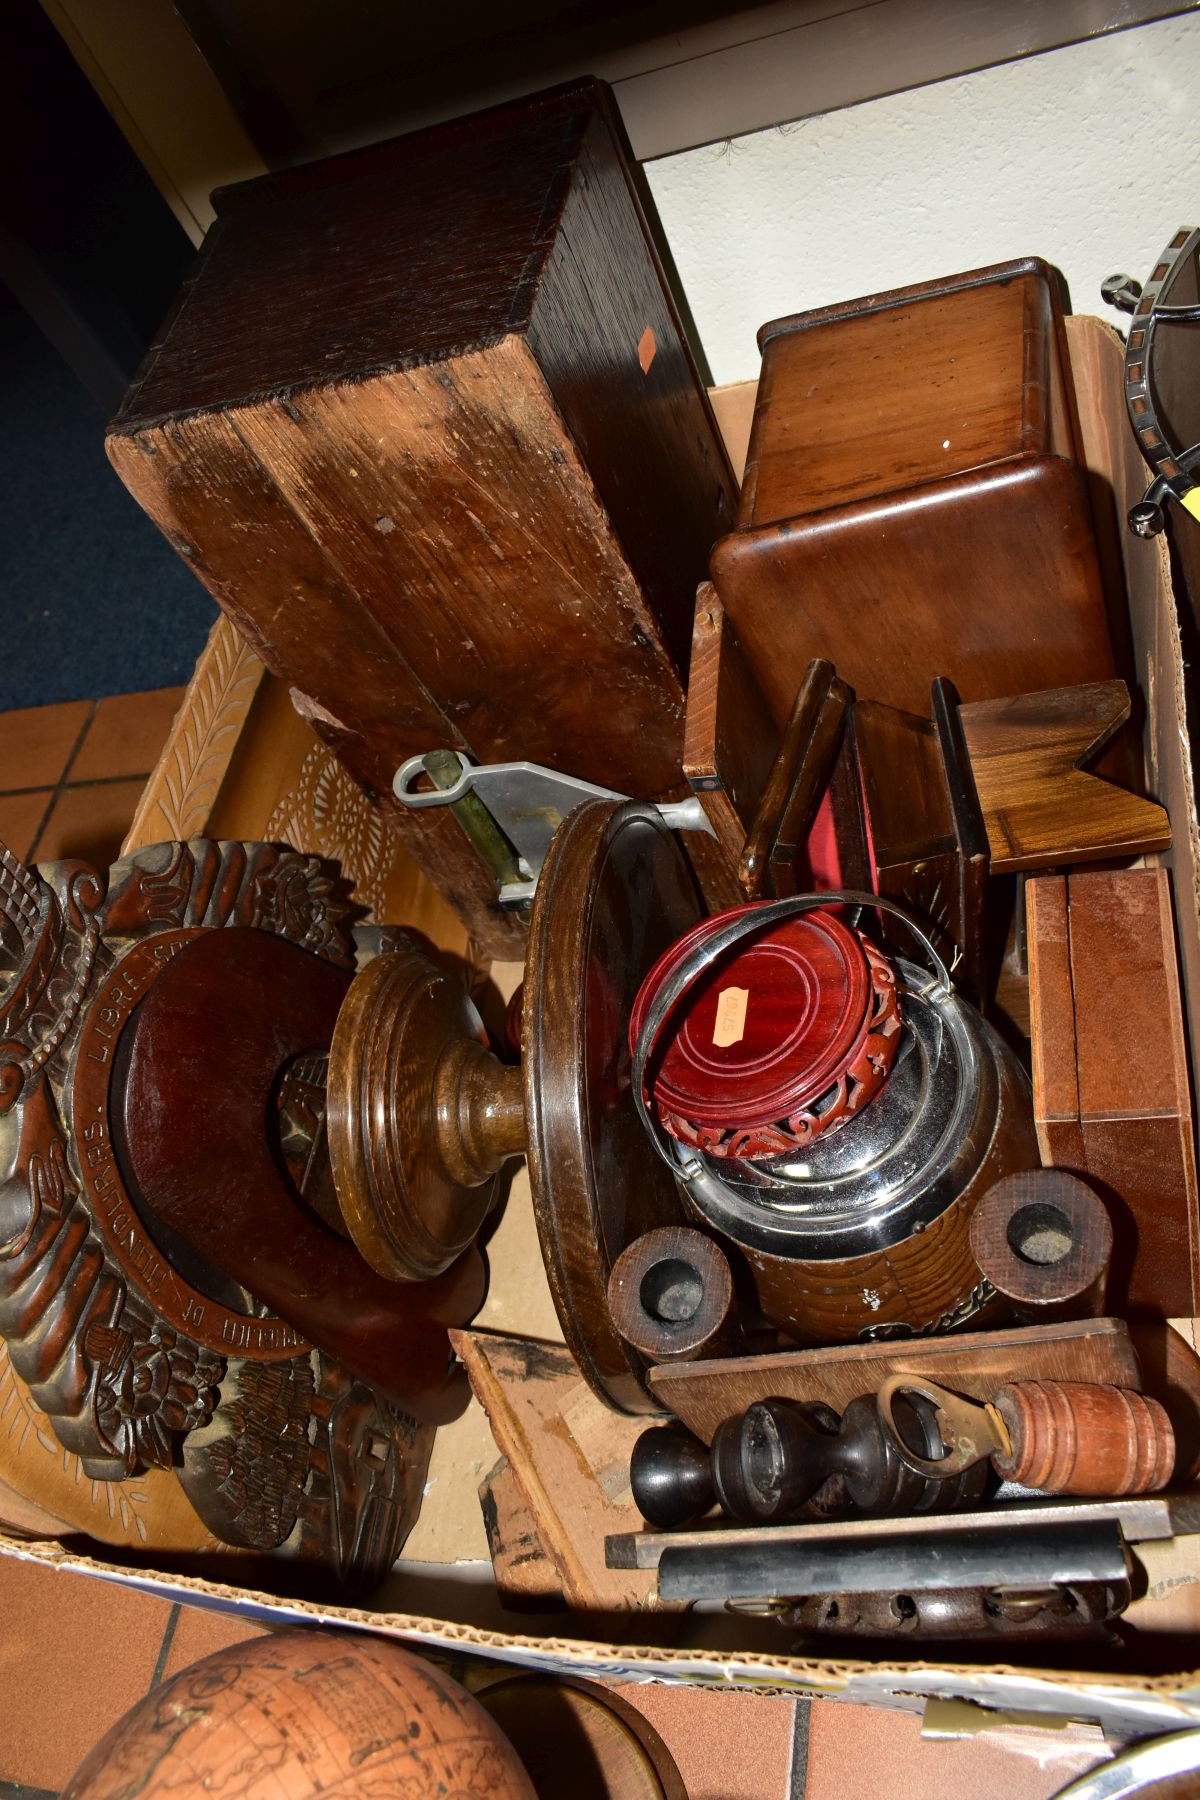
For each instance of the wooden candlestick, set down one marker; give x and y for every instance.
(671, 1296)
(420, 1116)
(191, 1109)
(1043, 1238)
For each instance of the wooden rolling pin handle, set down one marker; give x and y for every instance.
(1070, 1437)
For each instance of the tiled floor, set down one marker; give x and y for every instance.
(76, 1653)
(71, 775)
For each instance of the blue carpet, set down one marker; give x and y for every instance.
(93, 600)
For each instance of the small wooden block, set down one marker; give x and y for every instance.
(1111, 1093)
(570, 1456)
(1039, 807)
(526, 1576)
(703, 1394)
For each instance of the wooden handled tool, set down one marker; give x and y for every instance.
(1061, 1437)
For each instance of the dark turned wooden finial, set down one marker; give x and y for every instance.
(670, 1475)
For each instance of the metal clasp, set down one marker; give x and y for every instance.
(516, 808)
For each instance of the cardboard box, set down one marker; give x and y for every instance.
(441, 1593)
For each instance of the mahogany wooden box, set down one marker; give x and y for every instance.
(425, 423)
(915, 498)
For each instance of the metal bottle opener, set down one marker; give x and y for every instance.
(511, 811)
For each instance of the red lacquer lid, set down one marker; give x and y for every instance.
(781, 1039)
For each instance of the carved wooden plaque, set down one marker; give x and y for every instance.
(137, 1361)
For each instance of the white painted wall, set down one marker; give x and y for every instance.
(1086, 156)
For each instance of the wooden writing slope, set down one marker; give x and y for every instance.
(425, 424)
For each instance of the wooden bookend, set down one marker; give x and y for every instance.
(1110, 1078)
(427, 426)
(730, 741)
(890, 793)
(703, 1394)
(1039, 806)
(570, 1456)
(908, 828)
(915, 497)
(796, 785)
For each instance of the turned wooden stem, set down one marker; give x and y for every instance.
(1071, 1437)
(480, 1104)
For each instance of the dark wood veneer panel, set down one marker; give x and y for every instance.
(456, 477)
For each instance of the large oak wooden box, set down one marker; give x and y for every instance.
(426, 425)
(915, 499)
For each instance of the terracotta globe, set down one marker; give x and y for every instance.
(300, 1714)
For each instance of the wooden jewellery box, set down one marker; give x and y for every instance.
(916, 499)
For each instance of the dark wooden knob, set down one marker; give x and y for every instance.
(1071, 1437)
(670, 1476)
(420, 1116)
(771, 1464)
(670, 1295)
(1044, 1239)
